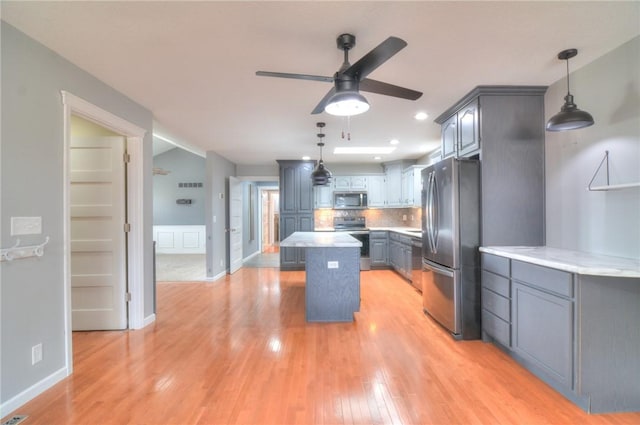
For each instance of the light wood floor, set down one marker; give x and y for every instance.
(238, 350)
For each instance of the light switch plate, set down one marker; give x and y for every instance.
(26, 226)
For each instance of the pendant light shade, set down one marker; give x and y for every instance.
(347, 103)
(569, 117)
(321, 176)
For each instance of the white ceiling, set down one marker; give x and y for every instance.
(193, 63)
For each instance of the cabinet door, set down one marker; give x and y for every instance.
(288, 225)
(305, 223)
(377, 194)
(407, 187)
(358, 183)
(468, 134)
(449, 137)
(378, 251)
(342, 183)
(305, 188)
(394, 185)
(288, 189)
(323, 196)
(542, 332)
(406, 260)
(417, 186)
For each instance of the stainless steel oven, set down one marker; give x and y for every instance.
(356, 227)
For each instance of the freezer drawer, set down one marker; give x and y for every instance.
(441, 295)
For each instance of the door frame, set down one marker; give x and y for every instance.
(134, 135)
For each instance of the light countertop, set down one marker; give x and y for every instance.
(408, 231)
(320, 240)
(570, 261)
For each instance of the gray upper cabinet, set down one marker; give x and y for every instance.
(504, 127)
(468, 130)
(461, 133)
(450, 137)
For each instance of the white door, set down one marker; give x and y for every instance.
(98, 240)
(235, 224)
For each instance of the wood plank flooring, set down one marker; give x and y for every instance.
(238, 351)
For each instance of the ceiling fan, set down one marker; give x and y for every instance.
(344, 98)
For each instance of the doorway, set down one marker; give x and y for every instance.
(97, 204)
(270, 220)
(135, 242)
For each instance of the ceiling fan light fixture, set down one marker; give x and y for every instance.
(347, 103)
(569, 117)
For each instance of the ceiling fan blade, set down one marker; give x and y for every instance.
(294, 76)
(376, 57)
(320, 107)
(374, 86)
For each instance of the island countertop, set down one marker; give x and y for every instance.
(570, 261)
(320, 240)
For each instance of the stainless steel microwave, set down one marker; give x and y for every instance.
(349, 200)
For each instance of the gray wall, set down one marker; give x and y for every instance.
(601, 222)
(216, 194)
(184, 167)
(32, 297)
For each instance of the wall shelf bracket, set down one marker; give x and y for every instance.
(17, 251)
(608, 186)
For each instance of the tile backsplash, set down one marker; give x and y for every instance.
(383, 217)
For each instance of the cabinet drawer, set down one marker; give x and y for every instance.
(496, 304)
(496, 283)
(497, 328)
(495, 264)
(378, 234)
(545, 278)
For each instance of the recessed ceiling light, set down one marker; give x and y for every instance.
(394, 141)
(306, 158)
(364, 150)
(421, 116)
(377, 158)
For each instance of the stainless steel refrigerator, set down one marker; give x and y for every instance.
(450, 241)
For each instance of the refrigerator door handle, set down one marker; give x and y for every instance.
(436, 268)
(434, 214)
(429, 214)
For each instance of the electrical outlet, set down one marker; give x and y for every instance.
(36, 354)
(333, 264)
(404, 217)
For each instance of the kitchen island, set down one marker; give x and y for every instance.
(569, 317)
(332, 265)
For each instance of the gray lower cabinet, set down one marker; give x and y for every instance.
(379, 249)
(400, 254)
(543, 332)
(573, 331)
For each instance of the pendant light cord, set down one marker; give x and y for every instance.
(568, 89)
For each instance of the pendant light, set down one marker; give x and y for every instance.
(321, 176)
(569, 117)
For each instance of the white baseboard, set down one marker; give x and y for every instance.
(32, 392)
(149, 320)
(244, 260)
(216, 277)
